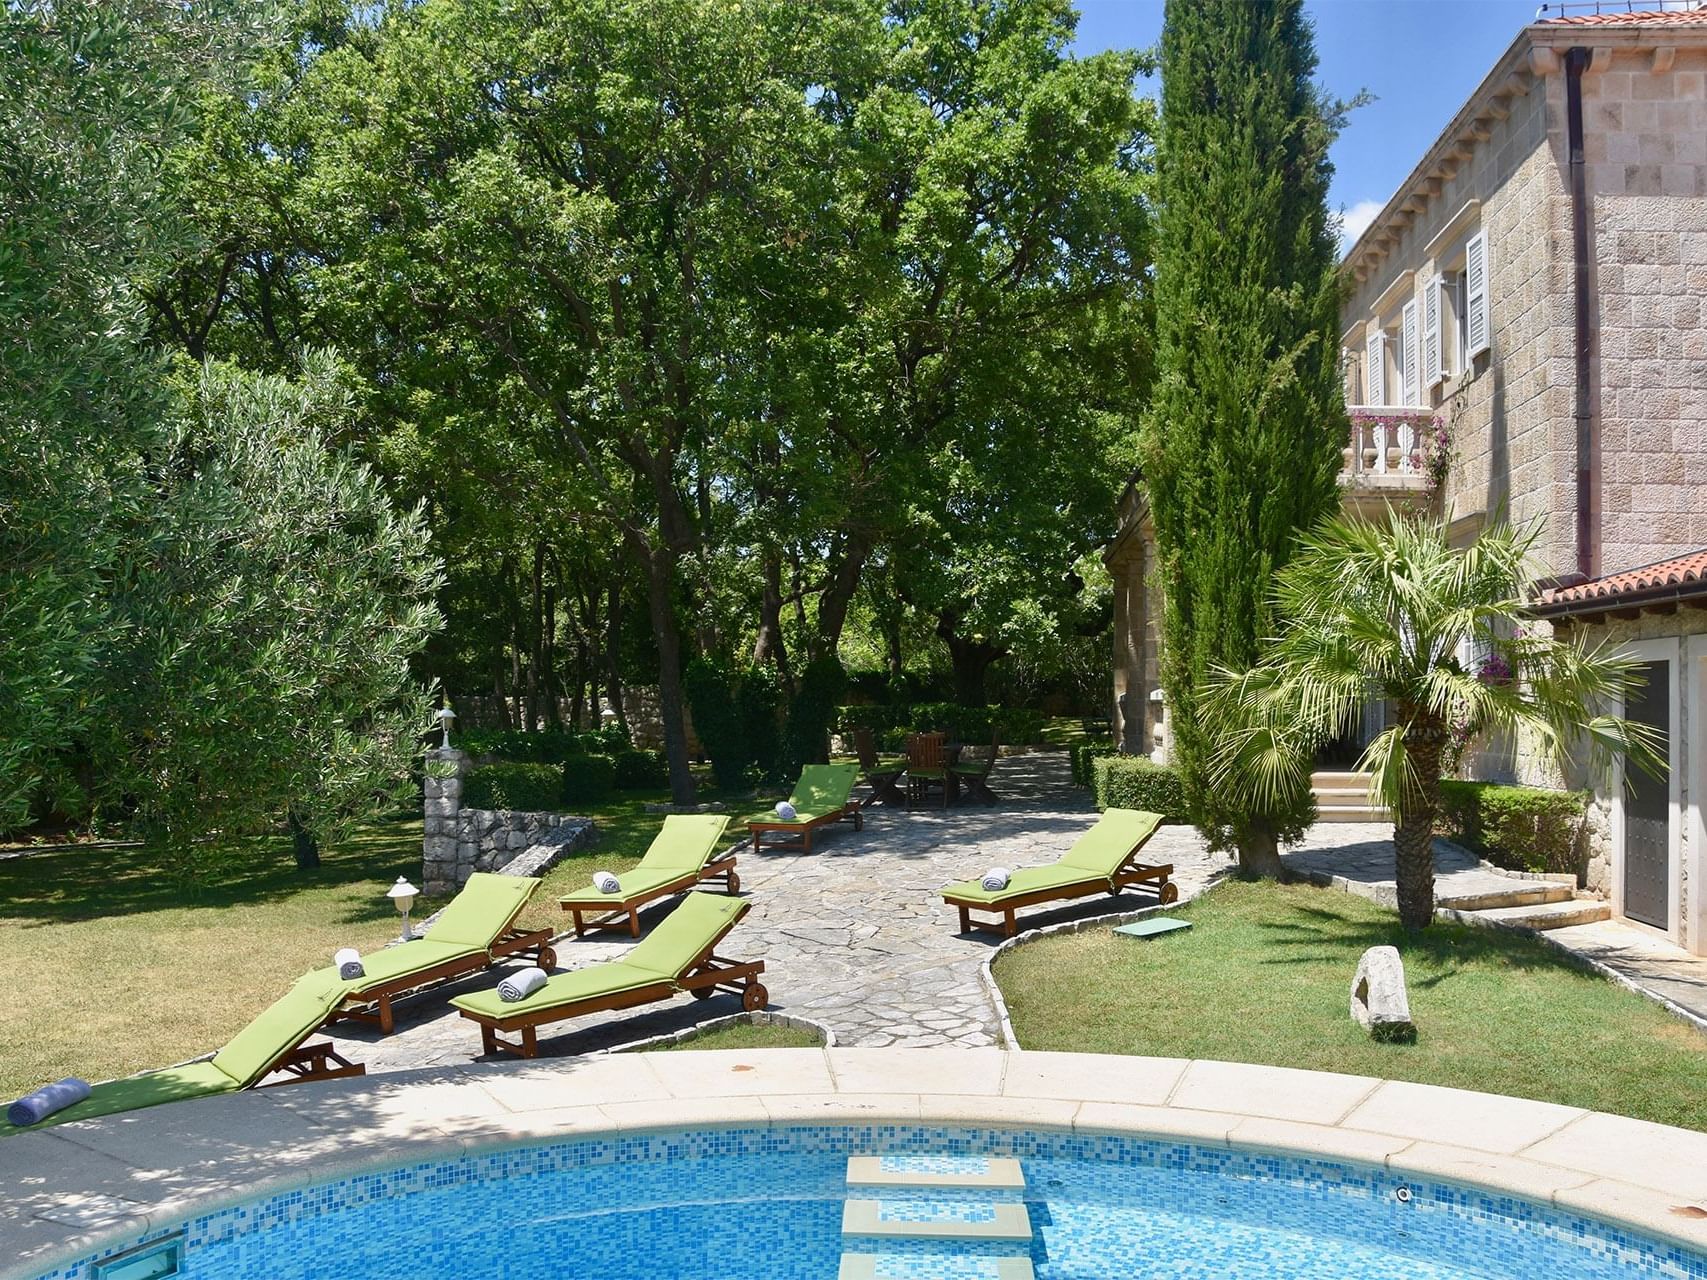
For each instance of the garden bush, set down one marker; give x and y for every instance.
(1132, 782)
(973, 725)
(532, 788)
(641, 770)
(812, 714)
(710, 688)
(1521, 828)
(1083, 754)
(546, 746)
(587, 779)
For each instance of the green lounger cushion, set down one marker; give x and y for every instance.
(282, 1025)
(682, 847)
(685, 842)
(1026, 880)
(1106, 845)
(170, 1084)
(635, 884)
(934, 774)
(608, 979)
(409, 957)
(823, 790)
(482, 910)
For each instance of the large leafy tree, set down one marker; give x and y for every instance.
(1243, 438)
(272, 602)
(1394, 610)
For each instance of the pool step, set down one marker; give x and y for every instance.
(907, 1266)
(917, 1205)
(935, 1171)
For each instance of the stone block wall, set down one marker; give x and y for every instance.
(457, 842)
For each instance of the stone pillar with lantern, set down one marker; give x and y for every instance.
(441, 805)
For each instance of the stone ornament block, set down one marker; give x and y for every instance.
(1379, 1003)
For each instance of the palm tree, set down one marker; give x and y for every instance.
(1386, 611)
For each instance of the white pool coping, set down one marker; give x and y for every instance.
(71, 1190)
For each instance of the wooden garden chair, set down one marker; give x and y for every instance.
(973, 776)
(927, 767)
(878, 774)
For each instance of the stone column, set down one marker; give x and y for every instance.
(441, 810)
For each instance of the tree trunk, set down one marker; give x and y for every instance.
(768, 646)
(972, 659)
(659, 581)
(1259, 855)
(303, 844)
(1413, 834)
(613, 669)
(838, 595)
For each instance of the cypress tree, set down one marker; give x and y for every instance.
(1242, 442)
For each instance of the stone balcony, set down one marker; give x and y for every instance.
(1387, 460)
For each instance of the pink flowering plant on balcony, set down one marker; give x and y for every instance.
(1433, 455)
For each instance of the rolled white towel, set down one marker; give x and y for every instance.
(786, 811)
(605, 882)
(35, 1107)
(521, 984)
(996, 878)
(349, 962)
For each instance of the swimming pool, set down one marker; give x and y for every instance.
(766, 1203)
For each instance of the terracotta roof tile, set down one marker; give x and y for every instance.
(1640, 17)
(1687, 574)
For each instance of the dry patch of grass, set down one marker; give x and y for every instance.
(1264, 976)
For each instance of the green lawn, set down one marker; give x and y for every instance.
(1264, 976)
(746, 1035)
(115, 967)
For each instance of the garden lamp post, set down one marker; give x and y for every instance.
(403, 894)
(444, 715)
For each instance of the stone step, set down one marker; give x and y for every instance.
(936, 1218)
(933, 1266)
(1549, 915)
(905, 1170)
(1336, 812)
(1339, 778)
(1534, 893)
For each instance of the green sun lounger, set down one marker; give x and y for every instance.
(1103, 860)
(820, 797)
(678, 858)
(677, 956)
(270, 1045)
(474, 932)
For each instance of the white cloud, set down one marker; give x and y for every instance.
(1355, 221)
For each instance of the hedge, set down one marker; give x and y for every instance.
(547, 746)
(1019, 726)
(641, 771)
(1083, 754)
(1132, 782)
(1521, 828)
(531, 788)
(587, 779)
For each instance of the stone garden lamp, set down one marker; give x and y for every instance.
(403, 894)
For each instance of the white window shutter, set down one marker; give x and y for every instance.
(1476, 294)
(1375, 368)
(1408, 345)
(1432, 370)
(1348, 374)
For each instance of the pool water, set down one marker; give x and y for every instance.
(762, 1204)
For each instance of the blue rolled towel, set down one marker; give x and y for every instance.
(35, 1107)
(521, 984)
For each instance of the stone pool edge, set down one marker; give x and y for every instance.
(75, 1189)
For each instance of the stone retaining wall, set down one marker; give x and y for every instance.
(457, 842)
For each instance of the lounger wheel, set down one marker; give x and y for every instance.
(734, 883)
(755, 997)
(1169, 893)
(547, 957)
(702, 993)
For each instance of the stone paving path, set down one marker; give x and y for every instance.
(853, 935)
(1358, 857)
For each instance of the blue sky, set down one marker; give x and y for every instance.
(1420, 58)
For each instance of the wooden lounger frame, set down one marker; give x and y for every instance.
(318, 1061)
(374, 1004)
(802, 831)
(626, 912)
(1131, 872)
(708, 974)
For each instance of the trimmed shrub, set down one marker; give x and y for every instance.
(641, 771)
(710, 689)
(588, 779)
(1020, 726)
(879, 719)
(756, 706)
(1132, 782)
(1522, 828)
(532, 788)
(548, 746)
(812, 712)
(1082, 754)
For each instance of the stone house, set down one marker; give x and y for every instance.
(1537, 288)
